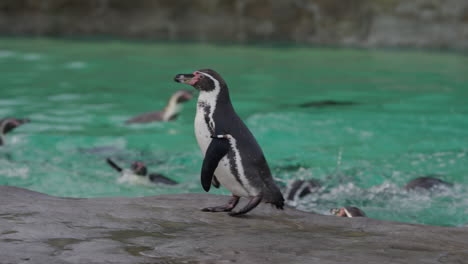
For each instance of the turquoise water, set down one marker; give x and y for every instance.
(410, 119)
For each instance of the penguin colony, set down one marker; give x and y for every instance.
(232, 156)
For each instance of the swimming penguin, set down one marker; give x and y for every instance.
(8, 124)
(348, 211)
(232, 156)
(426, 183)
(300, 188)
(140, 174)
(169, 113)
(325, 103)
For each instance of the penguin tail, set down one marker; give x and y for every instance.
(279, 205)
(275, 198)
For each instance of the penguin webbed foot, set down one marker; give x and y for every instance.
(224, 208)
(216, 209)
(253, 202)
(279, 206)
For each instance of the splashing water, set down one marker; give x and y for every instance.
(362, 122)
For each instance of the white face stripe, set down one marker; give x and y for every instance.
(2, 129)
(2, 126)
(210, 98)
(347, 212)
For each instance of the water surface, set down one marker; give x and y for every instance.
(404, 115)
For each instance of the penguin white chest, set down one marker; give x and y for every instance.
(223, 172)
(202, 132)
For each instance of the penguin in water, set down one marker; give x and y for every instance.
(8, 124)
(169, 113)
(426, 183)
(232, 156)
(326, 103)
(348, 211)
(139, 173)
(300, 188)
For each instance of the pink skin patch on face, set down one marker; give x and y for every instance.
(342, 213)
(137, 166)
(15, 123)
(195, 79)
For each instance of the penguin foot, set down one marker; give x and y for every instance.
(224, 208)
(254, 201)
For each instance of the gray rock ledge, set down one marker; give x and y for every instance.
(37, 228)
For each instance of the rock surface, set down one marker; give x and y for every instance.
(37, 228)
(366, 23)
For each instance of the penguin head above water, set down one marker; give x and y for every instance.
(139, 168)
(427, 183)
(8, 124)
(202, 80)
(182, 96)
(348, 211)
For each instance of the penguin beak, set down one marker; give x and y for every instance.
(185, 78)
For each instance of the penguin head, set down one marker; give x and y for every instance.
(182, 96)
(8, 124)
(202, 80)
(348, 211)
(139, 168)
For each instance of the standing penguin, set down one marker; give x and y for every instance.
(232, 156)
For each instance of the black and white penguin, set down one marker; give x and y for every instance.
(300, 188)
(232, 156)
(169, 113)
(348, 211)
(8, 124)
(426, 183)
(139, 174)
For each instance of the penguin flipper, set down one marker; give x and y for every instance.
(217, 149)
(113, 165)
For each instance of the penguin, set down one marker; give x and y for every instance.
(169, 113)
(348, 211)
(300, 188)
(8, 124)
(426, 183)
(232, 156)
(326, 103)
(140, 174)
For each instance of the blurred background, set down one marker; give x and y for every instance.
(363, 23)
(360, 96)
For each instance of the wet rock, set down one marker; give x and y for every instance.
(37, 228)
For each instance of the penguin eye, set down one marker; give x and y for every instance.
(201, 76)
